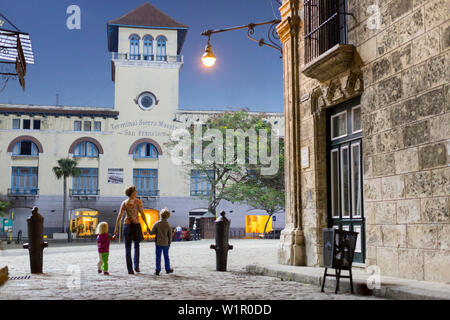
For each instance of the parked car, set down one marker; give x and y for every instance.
(185, 234)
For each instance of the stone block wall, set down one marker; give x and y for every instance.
(406, 136)
(401, 70)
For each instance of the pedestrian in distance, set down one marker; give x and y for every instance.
(178, 233)
(132, 231)
(194, 228)
(103, 239)
(163, 233)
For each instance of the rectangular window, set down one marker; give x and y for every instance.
(77, 126)
(87, 126)
(97, 126)
(325, 24)
(356, 120)
(339, 125)
(146, 181)
(86, 183)
(335, 183)
(26, 124)
(24, 180)
(36, 124)
(356, 179)
(201, 182)
(16, 124)
(345, 178)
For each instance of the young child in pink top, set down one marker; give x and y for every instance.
(103, 240)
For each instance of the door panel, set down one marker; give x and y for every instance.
(345, 171)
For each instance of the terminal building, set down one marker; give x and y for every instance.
(115, 147)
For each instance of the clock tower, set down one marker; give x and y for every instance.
(146, 45)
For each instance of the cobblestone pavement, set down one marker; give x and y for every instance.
(71, 273)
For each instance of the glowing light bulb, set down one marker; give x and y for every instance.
(208, 57)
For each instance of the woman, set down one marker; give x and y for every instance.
(131, 228)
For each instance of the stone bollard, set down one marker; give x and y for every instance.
(36, 243)
(222, 246)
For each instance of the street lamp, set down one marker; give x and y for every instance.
(208, 57)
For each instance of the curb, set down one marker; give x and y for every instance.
(387, 291)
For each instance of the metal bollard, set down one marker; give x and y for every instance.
(36, 243)
(222, 246)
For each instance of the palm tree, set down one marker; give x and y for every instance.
(67, 168)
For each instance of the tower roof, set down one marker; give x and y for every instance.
(144, 16)
(147, 15)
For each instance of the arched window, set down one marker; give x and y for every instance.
(145, 150)
(134, 47)
(161, 49)
(85, 149)
(148, 48)
(25, 148)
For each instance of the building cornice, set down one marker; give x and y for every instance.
(79, 112)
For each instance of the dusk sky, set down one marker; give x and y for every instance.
(76, 63)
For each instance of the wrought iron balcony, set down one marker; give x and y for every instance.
(148, 193)
(200, 193)
(23, 192)
(84, 192)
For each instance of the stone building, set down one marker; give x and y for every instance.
(114, 147)
(367, 131)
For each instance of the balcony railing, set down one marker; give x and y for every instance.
(84, 192)
(148, 193)
(151, 57)
(200, 192)
(23, 192)
(325, 26)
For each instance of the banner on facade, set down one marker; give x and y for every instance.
(115, 176)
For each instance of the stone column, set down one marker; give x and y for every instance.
(291, 249)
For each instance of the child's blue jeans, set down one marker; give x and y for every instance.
(164, 250)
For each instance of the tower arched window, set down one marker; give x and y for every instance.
(161, 48)
(148, 48)
(85, 149)
(134, 47)
(145, 150)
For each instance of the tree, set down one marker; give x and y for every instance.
(227, 171)
(67, 168)
(262, 192)
(3, 206)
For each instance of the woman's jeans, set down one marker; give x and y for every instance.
(128, 240)
(165, 251)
